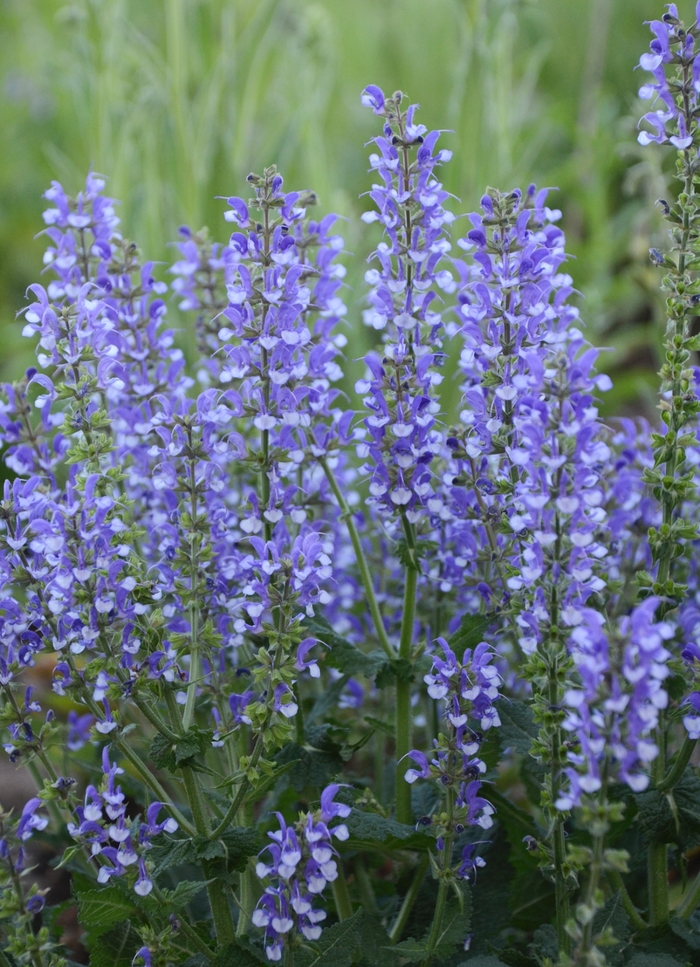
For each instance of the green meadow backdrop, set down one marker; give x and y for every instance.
(177, 100)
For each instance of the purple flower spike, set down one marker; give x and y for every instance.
(401, 437)
(301, 863)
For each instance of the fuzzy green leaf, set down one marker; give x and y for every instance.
(234, 846)
(368, 829)
(172, 852)
(336, 948)
(99, 909)
(413, 951)
(456, 922)
(653, 960)
(188, 750)
(234, 955)
(184, 892)
(672, 817)
(116, 948)
(470, 633)
(342, 654)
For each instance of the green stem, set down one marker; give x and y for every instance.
(437, 920)
(299, 717)
(247, 892)
(657, 879)
(366, 577)
(690, 901)
(53, 807)
(637, 921)
(364, 886)
(657, 868)
(399, 924)
(678, 768)
(561, 892)
(150, 780)
(195, 657)
(590, 899)
(341, 896)
(185, 927)
(218, 901)
(4, 962)
(404, 719)
(154, 718)
(439, 914)
(241, 794)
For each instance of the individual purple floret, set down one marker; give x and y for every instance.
(301, 861)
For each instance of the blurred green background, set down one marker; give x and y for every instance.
(177, 100)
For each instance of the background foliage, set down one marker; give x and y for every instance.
(177, 100)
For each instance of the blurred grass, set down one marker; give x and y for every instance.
(177, 100)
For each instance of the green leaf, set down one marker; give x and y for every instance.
(172, 852)
(326, 701)
(380, 725)
(399, 670)
(188, 749)
(412, 950)
(368, 829)
(483, 960)
(310, 766)
(268, 782)
(336, 948)
(375, 944)
(672, 817)
(234, 955)
(456, 922)
(116, 948)
(518, 732)
(653, 960)
(342, 654)
(613, 918)
(518, 727)
(684, 930)
(492, 900)
(99, 909)
(471, 631)
(234, 846)
(184, 892)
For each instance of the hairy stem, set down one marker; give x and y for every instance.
(341, 896)
(363, 566)
(399, 924)
(439, 914)
(636, 919)
(404, 718)
(195, 658)
(690, 901)
(587, 944)
(679, 766)
(561, 893)
(158, 791)
(218, 901)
